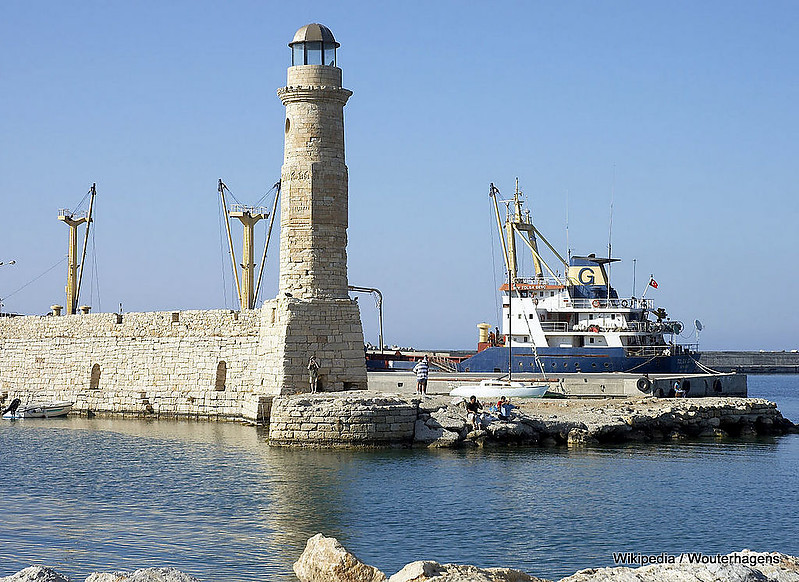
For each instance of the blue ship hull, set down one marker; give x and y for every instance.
(571, 360)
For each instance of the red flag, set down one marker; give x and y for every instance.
(653, 283)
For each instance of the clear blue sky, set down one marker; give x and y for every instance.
(692, 106)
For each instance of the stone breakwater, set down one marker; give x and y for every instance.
(326, 560)
(362, 419)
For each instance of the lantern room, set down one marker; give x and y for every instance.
(313, 44)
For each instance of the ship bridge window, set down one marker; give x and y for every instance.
(551, 293)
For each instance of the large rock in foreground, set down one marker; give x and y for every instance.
(742, 566)
(41, 574)
(435, 572)
(326, 560)
(35, 574)
(145, 575)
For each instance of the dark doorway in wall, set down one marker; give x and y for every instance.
(221, 375)
(94, 381)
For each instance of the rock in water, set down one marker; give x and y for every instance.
(744, 566)
(326, 560)
(435, 572)
(35, 574)
(144, 575)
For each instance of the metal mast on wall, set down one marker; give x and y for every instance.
(74, 277)
(248, 216)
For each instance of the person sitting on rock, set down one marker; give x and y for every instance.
(473, 414)
(504, 408)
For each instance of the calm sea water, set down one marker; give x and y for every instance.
(215, 501)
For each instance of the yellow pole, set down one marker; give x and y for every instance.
(246, 293)
(493, 191)
(72, 256)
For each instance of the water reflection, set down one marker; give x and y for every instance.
(213, 500)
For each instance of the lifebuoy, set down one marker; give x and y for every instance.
(625, 303)
(595, 303)
(644, 384)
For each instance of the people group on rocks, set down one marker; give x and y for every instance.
(474, 414)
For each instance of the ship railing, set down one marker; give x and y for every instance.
(252, 210)
(538, 281)
(554, 326)
(625, 303)
(67, 213)
(661, 350)
(638, 326)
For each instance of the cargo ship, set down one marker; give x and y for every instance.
(570, 319)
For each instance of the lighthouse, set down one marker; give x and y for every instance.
(314, 313)
(313, 211)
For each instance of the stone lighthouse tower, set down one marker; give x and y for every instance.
(320, 318)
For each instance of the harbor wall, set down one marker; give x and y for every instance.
(204, 364)
(613, 385)
(753, 362)
(364, 419)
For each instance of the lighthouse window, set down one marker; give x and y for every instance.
(298, 54)
(313, 53)
(330, 55)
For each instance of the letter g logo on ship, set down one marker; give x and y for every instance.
(586, 276)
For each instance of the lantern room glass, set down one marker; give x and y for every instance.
(313, 53)
(298, 54)
(330, 54)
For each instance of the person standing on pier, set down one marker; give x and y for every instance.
(313, 370)
(422, 369)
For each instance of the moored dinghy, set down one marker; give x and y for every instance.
(37, 409)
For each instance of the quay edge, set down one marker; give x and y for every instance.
(610, 385)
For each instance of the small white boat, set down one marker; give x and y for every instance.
(499, 388)
(38, 410)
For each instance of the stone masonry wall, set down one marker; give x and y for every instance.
(209, 364)
(187, 363)
(322, 420)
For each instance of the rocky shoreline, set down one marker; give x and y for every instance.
(326, 560)
(369, 420)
